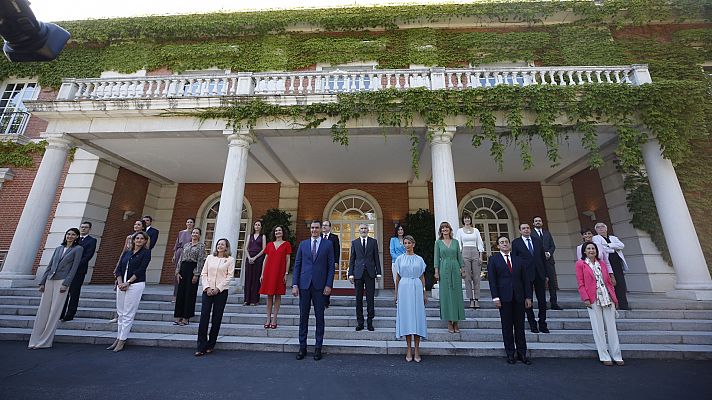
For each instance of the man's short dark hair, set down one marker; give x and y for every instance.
(150, 218)
(86, 223)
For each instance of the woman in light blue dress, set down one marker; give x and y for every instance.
(410, 299)
(396, 247)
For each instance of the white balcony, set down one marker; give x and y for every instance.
(335, 82)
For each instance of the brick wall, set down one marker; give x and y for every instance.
(13, 196)
(129, 194)
(262, 197)
(589, 196)
(391, 197)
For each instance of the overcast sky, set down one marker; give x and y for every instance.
(64, 10)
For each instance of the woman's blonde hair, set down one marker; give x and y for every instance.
(228, 253)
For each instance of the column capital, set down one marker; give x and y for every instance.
(440, 135)
(241, 137)
(58, 141)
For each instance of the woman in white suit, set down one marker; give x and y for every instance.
(54, 284)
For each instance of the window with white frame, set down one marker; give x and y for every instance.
(13, 113)
(492, 218)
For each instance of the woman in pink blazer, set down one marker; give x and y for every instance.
(599, 297)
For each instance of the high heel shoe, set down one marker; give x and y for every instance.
(119, 346)
(113, 345)
(408, 358)
(417, 359)
(472, 304)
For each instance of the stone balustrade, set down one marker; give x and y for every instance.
(334, 82)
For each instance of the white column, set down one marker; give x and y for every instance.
(692, 276)
(17, 269)
(233, 189)
(444, 196)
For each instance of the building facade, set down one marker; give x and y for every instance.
(142, 149)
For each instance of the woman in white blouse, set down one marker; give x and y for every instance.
(599, 297)
(472, 248)
(218, 270)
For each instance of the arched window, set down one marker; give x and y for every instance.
(491, 218)
(210, 217)
(346, 214)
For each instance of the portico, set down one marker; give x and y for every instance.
(144, 126)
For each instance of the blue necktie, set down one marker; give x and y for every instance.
(529, 245)
(314, 249)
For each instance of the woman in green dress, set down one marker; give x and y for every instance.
(448, 271)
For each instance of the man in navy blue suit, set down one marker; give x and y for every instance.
(512, 294)
(151, 231)
(88, 244)
(530, 249)
(313, 279)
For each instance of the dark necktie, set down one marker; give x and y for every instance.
(529, 245)
(364, 244)
(314, 249)
(509, 264)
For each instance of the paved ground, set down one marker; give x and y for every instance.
(75, 371)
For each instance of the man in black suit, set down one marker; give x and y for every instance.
(151, 231)
(549, 247)
(512, 294)
(530, 249)
(364, 268)
(88, 244)
(326, 234)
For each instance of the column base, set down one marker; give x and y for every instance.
(17, 281)
(691, 294)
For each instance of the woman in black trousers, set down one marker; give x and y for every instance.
(191, 263)
(215, 278)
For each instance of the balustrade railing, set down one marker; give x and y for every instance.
(334, 82)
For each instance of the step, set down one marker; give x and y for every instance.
(567, 299)
(389, 322)
(435, 334)
(480, 349)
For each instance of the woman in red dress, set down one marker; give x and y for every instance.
(274, 274)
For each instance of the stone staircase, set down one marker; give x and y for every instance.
(658, 327)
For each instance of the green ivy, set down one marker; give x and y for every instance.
(673, 119)
(20, 155)
(278, 40)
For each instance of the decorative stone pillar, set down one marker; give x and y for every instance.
(692, 276)
(233, 189)
(444, 195)
(17, 269)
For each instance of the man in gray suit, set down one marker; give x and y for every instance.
(364, 268)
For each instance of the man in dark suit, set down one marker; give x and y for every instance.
(151, 231)
(88, 244)
(313, 279)
(530, 249)
(364, 268)
(326, 234)
(512, 294)
(549, 247)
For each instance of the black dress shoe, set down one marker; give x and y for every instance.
(317, 354)
(543, 329)
(524, 359)
(370, 328)
(302, 353)
(67, 319)
(534, 329)
(556, 307)
(511, 360)
(359, 328)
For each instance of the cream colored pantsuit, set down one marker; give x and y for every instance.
(603, 320)
(48, 313)
(126, 307)
(472, 271)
